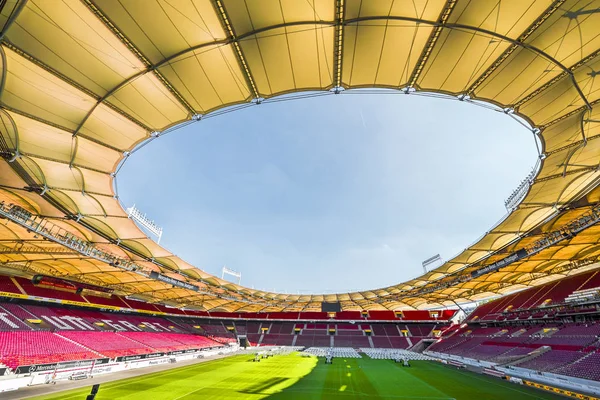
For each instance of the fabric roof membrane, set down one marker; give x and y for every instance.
(86, 82)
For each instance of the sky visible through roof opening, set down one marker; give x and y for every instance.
(330, 194)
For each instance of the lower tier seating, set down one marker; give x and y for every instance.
(109, 344)
(170, 341)
(570, 349)
(76, 333)
(38, 347)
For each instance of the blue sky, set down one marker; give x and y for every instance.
(332, 193)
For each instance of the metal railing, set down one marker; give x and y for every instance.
(567, 231)
(47, 229)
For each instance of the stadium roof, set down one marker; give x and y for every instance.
(85, 83)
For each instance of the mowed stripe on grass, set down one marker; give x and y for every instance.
(295, 377)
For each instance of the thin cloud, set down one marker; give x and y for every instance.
(315, 203)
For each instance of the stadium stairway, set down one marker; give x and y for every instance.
(9, 321)
(100, 355)
(110, 344)
(134, 340)
(587, 367)
(418, 347)
(528, 357)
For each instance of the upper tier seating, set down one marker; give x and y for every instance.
(140, 305)
(349, 315)
(420, 329)
(114, 301)
(351, 341)
(313, 315)
(550, 293)
(280, 327)
(282, 315)
(381, 315)
(253, 327)
(34, 290)
(7, 285)
(276, 339)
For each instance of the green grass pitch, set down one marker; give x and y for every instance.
(295, 377)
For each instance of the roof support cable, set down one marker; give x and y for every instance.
(19, 6)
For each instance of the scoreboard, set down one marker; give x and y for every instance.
(331, 307)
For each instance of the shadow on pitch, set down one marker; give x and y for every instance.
(265, 385)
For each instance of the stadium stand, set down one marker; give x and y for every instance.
(170, 341)
(113, 301)
(12, 317)
(537, 340)
(75, 333)
(113, 334)
(544, 329)
(8, 285)
(108, 344)
(551, 296)
(85, 85)
(37, 347)
(34, 290)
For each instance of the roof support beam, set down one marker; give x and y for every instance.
(559, 77)
(572, 145)
(437, 30)
(64, 162)
(555, 6)
(566, 173)
(76, 85)
(113, 28)
(437, 24)
(338, 44)
(47, 68)
(228, 28)
(65, 129)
